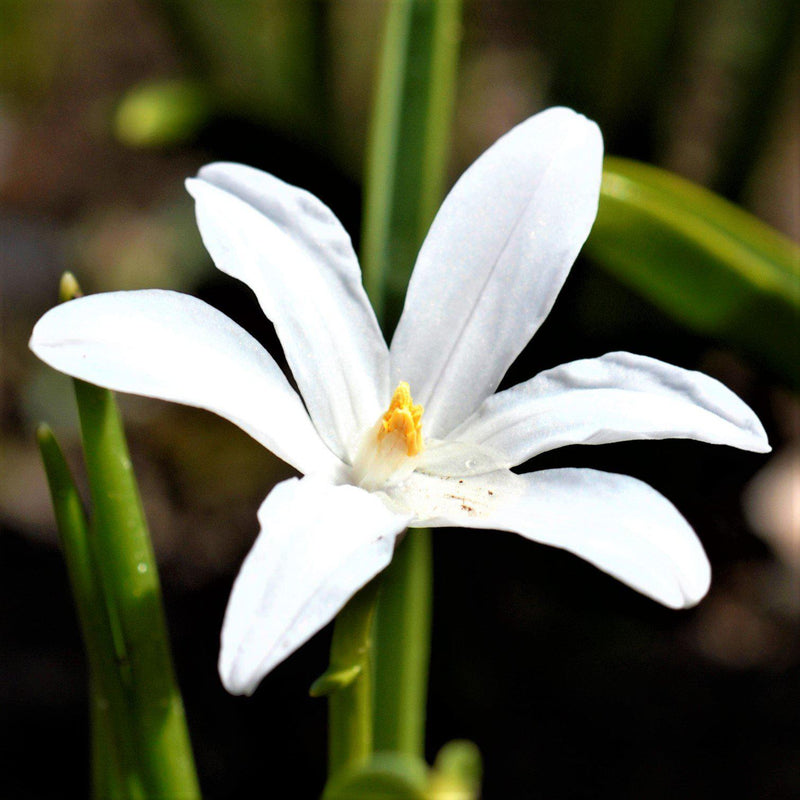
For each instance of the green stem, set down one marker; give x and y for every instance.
(402, 647)
(348, 683)
(131, 586)
(406, 173)
(108, 780)
(113, 749)
(406, 169)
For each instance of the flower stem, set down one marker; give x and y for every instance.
(348, 683)
(402, 647)
(406, 173)
(404, 182)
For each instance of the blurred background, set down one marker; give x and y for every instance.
(571, 684)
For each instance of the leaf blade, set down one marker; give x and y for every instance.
(706, 262)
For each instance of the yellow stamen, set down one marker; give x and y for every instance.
(406, 418)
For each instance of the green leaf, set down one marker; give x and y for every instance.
(332, 680)
(706, 262)
(408, 145)
(127, 567)
(140, 744)
(114, 759)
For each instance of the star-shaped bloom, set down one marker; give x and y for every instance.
(374, 460)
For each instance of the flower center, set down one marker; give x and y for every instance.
(404, 418)
(389, 449)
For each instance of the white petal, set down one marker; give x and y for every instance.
(615, 398)
(493, 262)
(619, 524)
(293, 253)
(318, 545)
(458, 458)
(175, 347)
(437, 500)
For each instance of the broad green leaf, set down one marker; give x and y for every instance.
(706, 262)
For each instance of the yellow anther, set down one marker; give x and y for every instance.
(405, 418)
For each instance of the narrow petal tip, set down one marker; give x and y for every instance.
(693, 586)
(232, 678)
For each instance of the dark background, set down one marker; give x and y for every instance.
(571, 684)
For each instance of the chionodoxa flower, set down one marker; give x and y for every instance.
(413, 434)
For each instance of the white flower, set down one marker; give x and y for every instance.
(487, 275)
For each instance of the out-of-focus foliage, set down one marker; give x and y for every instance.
(608, 73)
(161, 114)
(27, 66)
(705, 261)
(529, 656)
(262, 60)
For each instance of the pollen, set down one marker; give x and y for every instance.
(404, 418)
